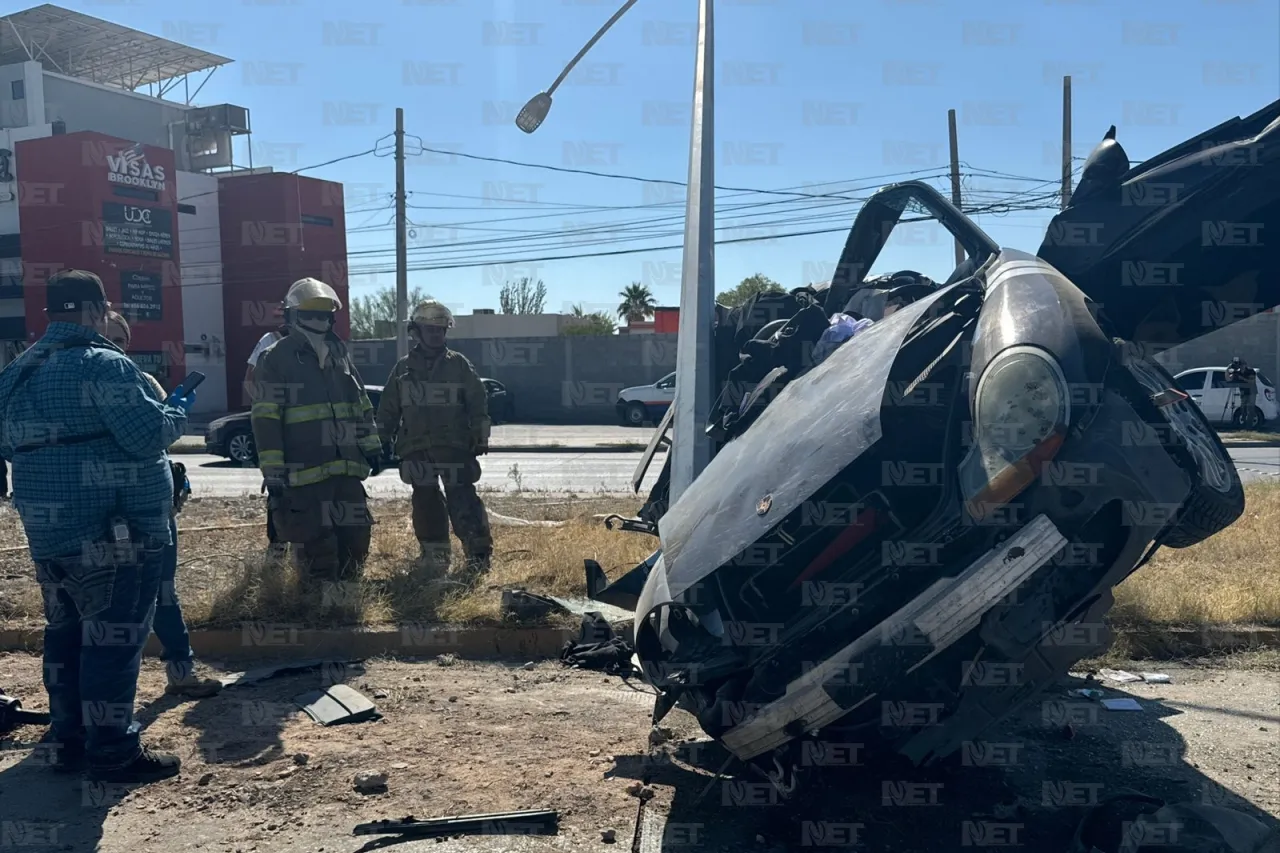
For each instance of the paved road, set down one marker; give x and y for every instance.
(582, 473)
(1257, 463)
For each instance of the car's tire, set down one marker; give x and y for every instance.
(1217, 498)
(241, 448)
(1260, 421)
(636, 414)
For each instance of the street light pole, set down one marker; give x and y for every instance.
(695, 380)
(690, 445)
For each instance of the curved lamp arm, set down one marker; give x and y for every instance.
(533, 113)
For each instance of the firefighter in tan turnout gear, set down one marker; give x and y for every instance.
(314, 428)
(435, 410)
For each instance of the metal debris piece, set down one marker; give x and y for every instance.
(336, 704)
(253, 676)
(523, 606)
(538, 822)
(1155, 678)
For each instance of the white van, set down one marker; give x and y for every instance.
(1208, 387)
(646, 402)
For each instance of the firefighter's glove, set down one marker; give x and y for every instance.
(275, 482)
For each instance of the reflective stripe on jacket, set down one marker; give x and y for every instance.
(438, 402)
(311, 422)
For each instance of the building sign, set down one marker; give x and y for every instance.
(140, 295)
(130, 167)
(131, 229)
(153, 363)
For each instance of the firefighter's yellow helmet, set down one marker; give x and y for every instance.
(432, 313)
(312, 294)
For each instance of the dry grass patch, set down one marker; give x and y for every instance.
(225, 577)
(1248, 435)
(1232, 579)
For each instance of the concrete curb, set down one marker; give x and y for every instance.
(1250, 444)
(263, 640)
(1174, 643)
(178, 450)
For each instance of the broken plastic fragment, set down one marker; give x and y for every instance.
(1119, 675)
(1124, 704)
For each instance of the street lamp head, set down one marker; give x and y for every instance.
(534, 113)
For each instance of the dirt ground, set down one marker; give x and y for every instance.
(461, 737)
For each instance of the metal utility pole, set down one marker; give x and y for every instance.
(955, 174)
(1066, 142)
(402, 246)
(690, 446)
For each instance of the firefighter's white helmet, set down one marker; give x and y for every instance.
(432, 313)
(312, 294)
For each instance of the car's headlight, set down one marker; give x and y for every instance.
(1022, 410)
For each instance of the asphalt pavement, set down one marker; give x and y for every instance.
(579, 473)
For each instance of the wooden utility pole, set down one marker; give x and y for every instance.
(402, 246)
(1066, 142)
(955, 174)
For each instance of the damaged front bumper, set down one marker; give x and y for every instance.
(1032, 604)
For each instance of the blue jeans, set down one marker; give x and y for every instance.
(97, 619)
(170, 628)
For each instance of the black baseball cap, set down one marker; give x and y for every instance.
(70, 291)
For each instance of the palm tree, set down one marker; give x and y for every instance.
(637, 304)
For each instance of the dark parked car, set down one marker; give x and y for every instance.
(907, 541)
(232, 436)
(501, 401)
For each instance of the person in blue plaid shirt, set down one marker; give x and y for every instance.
(86, 438)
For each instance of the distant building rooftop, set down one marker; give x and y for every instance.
(88, 48)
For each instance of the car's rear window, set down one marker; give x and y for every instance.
(1265, 380)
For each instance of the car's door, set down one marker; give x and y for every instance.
(1193, 382)
(1218, 403)
(497, 395)
(666, 388)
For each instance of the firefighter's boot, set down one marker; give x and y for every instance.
(433, 561)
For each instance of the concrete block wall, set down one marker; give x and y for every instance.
(573, 379)
(1256, 340)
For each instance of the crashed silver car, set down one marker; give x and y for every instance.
(913, 536)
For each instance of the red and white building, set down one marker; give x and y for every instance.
(144, 191)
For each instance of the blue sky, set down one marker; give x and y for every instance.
(849, 95)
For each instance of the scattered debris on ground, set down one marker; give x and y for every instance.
(1207, 736)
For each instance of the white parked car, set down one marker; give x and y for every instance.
(646, 402)
(1208, 387)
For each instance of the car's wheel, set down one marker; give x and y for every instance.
(636, 414)
(1217, 498)
(1257, 422)
(240, 448)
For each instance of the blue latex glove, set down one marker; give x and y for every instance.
(181, 399)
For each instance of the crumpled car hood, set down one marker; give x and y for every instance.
(816, 426)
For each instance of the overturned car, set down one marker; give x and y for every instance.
(915, 535)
